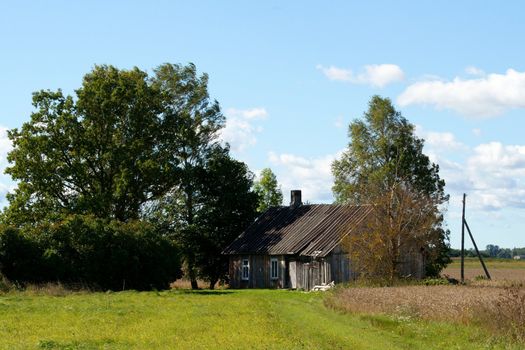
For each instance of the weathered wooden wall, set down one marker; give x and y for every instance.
(341, 266)
(313, 272)
(412, 264)
(309, 271)
(259, 272)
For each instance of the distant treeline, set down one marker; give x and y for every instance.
(491, 251)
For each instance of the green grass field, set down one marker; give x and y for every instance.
(492, 263)
(223, 319)
(499, 269)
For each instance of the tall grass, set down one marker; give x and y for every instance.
(504, 315)
(496, 306)
(5, 284)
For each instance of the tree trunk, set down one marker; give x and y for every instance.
(193, 276)
(191, 271)
(191, 256)
(213, 281)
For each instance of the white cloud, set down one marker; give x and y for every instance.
(492, 174)
(378, 75)
(252, 113)
(474, 71)
(495, 156)
(6, 184)
(490, 95)
(476, 131)
(334, 73)
(444, 141)
(382, 74)
(311, 175)
(5, 144)
(241, 127)
(339, 122)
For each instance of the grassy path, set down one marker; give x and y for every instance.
(256, 319)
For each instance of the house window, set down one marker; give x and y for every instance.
(274, 268)
(245, 269)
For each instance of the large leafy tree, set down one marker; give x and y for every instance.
(189, 113)
(270, 194)
(126, 143)
(384, 165)
(223, 205)
(97, 155)
(228, 208)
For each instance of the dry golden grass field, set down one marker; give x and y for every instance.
(496, 306)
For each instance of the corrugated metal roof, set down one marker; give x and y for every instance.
(311, 230)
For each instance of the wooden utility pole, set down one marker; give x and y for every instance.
(463, 240)
(463, 225)
(477, 251)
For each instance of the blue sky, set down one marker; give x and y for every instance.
(291, 76)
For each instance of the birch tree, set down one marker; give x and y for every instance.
(384, 166)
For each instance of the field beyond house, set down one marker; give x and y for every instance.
(222, 319)
(499, 269)
(408, 317)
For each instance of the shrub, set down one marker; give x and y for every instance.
(435, 282)
(19, 256)
(480, 278)
(90, 251)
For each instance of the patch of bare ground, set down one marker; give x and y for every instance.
(495, 305)
(183, 283)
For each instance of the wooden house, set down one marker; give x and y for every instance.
(297, 246)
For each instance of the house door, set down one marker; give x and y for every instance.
(293, 274)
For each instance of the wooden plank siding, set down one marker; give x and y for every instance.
(412, 264)
(313, 273)
(310, 271)
(259, 275)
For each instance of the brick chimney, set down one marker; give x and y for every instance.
(295, 198)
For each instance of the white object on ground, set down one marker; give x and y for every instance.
(323, 287)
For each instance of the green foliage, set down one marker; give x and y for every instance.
(268, 190)
(435, 282)
(518, 251)
(82, 249)
(189, 113)
(384, 165)
(222, 206)
(480, 278)
(125, 140)
(98, 154)
(20, 256)
(113, 156)
(383, 150)
(228, 208)
(471, 253)
(437, 253)
(495, 251)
